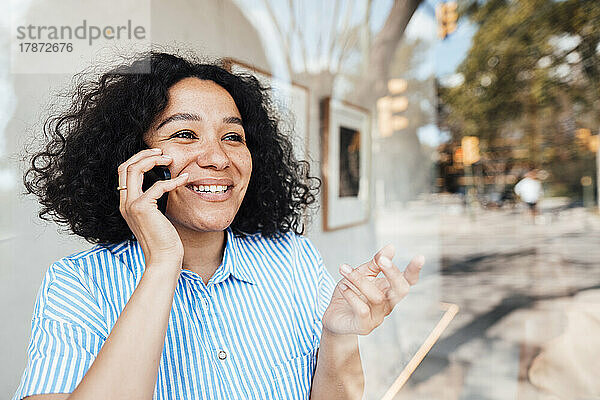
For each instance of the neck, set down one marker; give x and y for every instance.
(203, 251)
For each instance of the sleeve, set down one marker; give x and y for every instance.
(325, 286)
(67, 332)
(323, 290)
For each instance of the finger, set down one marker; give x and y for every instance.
(354, 289)
(382, 283)
(399, 286)
(122, 171)
(359, 307)
(365, 286)
(371, 268)
(135, 173)
(160, 187)
(412, 271)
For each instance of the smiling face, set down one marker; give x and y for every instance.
(201, 128)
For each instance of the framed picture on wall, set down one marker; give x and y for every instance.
(346, 164)
(292, 96)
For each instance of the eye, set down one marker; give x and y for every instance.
(235, 137)
(185, 134)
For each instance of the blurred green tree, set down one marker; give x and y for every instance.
(531, 80)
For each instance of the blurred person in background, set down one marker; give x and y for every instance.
(529, 189)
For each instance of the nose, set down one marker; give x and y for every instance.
(212, 155)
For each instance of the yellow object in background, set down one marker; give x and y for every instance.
(470, 150)
(447, 16)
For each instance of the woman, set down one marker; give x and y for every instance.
(220, 297)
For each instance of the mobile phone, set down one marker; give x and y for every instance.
(159, 172)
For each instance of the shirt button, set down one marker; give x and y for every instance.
(204, 303)
(222, 355)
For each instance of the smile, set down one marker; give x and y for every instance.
(209, 188)
(211, 192)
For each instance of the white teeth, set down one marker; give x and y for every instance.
(209, 188)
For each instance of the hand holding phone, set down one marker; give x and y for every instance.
(139, 203)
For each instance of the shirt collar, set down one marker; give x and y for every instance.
(232, 264)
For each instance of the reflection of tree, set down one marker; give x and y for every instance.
(531, 78)
(382, 50)
(327, 43)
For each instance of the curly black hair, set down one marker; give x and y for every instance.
(74, 175)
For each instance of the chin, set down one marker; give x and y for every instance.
(194, 223)
(211, 227)
(209, 218)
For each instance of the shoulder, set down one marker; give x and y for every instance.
(87, 263)
(70, 266)
(72, 294)
(79, 277)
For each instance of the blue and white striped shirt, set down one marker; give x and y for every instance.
(252, 332)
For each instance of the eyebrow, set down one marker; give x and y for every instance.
(196, 117)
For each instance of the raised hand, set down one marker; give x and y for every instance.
(364, 297)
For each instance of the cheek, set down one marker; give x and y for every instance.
(245, 163)
(180, 161)
(249, 166)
